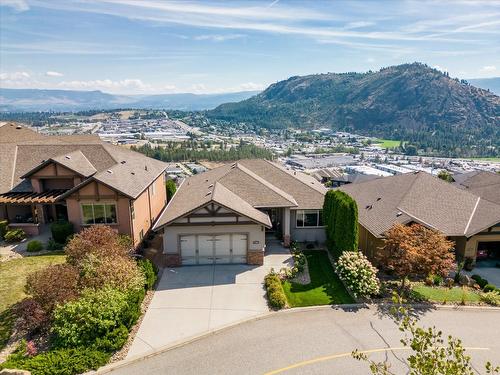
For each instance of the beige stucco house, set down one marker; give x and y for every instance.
(77, 178)
(469, 217)
(223, 215)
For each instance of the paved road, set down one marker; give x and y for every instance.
(318, 342)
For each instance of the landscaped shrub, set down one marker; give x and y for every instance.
(61, 230)
(34, 246)
(275, 294)
(56, 362)
(14, 235)
(113, 340)
(149, 271)
(489, 288)
(52, 285)
(491, 298)
(171, 189)
(357, 273)
(95, 315)
(99, 241)
(479, 280)
(3, 228)
(31, 315)
(53, 245)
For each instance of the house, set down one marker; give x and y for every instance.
(222, 215)
(77, 178)
(482, 183)
(472, 221)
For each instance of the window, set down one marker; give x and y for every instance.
(309, 218)
(99, 213)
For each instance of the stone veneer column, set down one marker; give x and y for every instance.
(255, 257)
(286, 227)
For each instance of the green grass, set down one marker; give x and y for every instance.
(444, 294)
(325, 287)
(387, 143)
(13, 275)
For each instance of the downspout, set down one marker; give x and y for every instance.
(130, 208)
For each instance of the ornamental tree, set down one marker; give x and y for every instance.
(414, 250)
(171, 189)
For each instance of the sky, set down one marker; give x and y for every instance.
(156, 46)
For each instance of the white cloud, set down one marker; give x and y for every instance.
(488, 69)
(15, 76)
(251, 86)
(18, 5)
(128, 85)
(219, 37)
(370, 60)
(53, 74)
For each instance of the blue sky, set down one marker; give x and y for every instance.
(154, 46)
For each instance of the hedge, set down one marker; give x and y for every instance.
(275, 294)
(340, 215)
(61, 230)
(150, 272)
(57, 362)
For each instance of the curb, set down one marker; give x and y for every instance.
(180, 343)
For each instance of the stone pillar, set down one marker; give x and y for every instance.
(255, 257)
(173, 260)
(286, 227)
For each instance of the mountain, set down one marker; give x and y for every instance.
(410, 102)
(492, 84)
(70, 100)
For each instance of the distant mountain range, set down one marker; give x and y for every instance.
(69, 100)
(492, 84)
(410, 102)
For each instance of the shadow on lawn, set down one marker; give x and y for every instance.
(325, 284)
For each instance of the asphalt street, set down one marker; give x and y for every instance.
(319, 342)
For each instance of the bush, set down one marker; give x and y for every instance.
(479, 280)
(98, 241)
(489, 288)
(61, 230)
(491, 298)
(95, 316)
(3, 228)
(275, 294)
(14, 235)
(52, 285)
(34, 246)
(358, 273)
(31, 315)
(53, 245)
(149, 271)
(113, 340)
(56, 362)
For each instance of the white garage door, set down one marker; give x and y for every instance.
(214, 249)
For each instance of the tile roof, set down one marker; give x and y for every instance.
(422, 198)
(26, 150)
(246, 185)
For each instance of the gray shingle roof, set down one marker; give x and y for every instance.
(421, 198)
(481, 183)
(25, 150)
(246, 185)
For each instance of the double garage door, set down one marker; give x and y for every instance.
(214, 248)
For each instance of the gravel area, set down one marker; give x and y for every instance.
(302, 277)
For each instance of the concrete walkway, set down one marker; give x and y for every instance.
(17, 250)
(193, 300)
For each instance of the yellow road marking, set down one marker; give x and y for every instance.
(341, 355)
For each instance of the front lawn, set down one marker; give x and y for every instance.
(325, 287)
(443, 294)
(13, 275)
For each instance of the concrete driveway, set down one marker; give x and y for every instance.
(193, 300)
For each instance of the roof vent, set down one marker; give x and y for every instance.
(369, 207)
(109, 171)
(399, 214)
(145, 167)
(379, 198)
(206, 195)
(19, 127)
(68, 157)
(123, 162)
(210, 186)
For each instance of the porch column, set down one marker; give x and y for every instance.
(286, 226)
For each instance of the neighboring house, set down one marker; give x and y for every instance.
(471, 221)
(79, 179)
(221, 216)
(482, 183)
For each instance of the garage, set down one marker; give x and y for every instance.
(225, 248)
